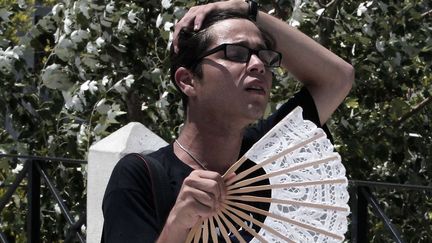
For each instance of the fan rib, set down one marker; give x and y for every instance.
(222, 229)
(282, 218)
(259, 223)
(205, 235)
(191, 234)
(235, 166)
(286, 185)
(243, 225)
(198, 234)
(213, 231)
(275, 157)
(286, 202)
(231, 227)
(303, 165)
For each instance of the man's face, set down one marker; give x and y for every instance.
(239, 91)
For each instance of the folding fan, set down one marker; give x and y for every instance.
(308, 188)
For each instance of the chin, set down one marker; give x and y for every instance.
(255, 112)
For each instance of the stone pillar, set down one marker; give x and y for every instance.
(102, 157)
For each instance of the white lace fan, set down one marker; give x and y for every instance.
(308, 187)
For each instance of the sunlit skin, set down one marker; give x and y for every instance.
(230, 95)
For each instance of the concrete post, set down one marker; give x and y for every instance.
(103, 156)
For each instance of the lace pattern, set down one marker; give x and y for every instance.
(318, 190)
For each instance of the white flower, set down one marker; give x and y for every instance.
(17, 169)
(166, 4)
(56, 10)
(319, 11)
(54, 77)
(105, 80)
(81, 136)
(73, 103)
(159, 20)
(113, 113)
(380, 46)
(67, 22)
(100, 42)
(122, 26)
(64, 48)
(129, 80)
(84, 7)
(77, 36)
(363, 7)
(22, 4)
(91, 48)
(119, 87)
(90, 86)
(4, 15)
(132, 17)
(57, 209)
(168, 25)
(110, 7)
(6, 65)
(297, 14)
(8, 58)
(12, 53)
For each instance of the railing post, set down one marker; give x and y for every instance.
(33, 197)
(359, 224)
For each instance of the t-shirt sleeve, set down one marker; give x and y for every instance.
(303, 99)
(128, 205)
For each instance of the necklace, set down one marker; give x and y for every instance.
(190, 154)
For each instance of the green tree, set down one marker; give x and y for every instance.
(103, 64)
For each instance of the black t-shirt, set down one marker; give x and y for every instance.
(128, 206)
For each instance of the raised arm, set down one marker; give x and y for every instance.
(327, 77)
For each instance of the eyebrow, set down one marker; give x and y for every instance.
(260, 46)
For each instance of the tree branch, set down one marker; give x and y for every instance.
(279, 12)
(413, 111)
(427, 13)
(327, 25)
(325, 5)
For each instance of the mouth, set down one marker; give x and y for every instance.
(256, 89)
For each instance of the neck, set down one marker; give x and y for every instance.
(216, 148)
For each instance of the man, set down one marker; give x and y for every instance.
(221, 63)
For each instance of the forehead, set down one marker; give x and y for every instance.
(237, 31)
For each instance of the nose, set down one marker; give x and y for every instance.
(256, 65)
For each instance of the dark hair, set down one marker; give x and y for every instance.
(191, 44)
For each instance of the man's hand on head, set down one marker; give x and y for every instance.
(194, 18)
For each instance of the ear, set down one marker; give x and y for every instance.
(185, 81)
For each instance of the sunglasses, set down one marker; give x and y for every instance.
(239, 53)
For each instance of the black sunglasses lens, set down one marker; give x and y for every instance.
(237, 53)
(269, 57)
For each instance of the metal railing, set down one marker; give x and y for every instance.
(361, 196)
(34, 170)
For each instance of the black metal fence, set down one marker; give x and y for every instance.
(361, 197)
(34, 170)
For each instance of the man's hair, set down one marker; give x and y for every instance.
(192, 44)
